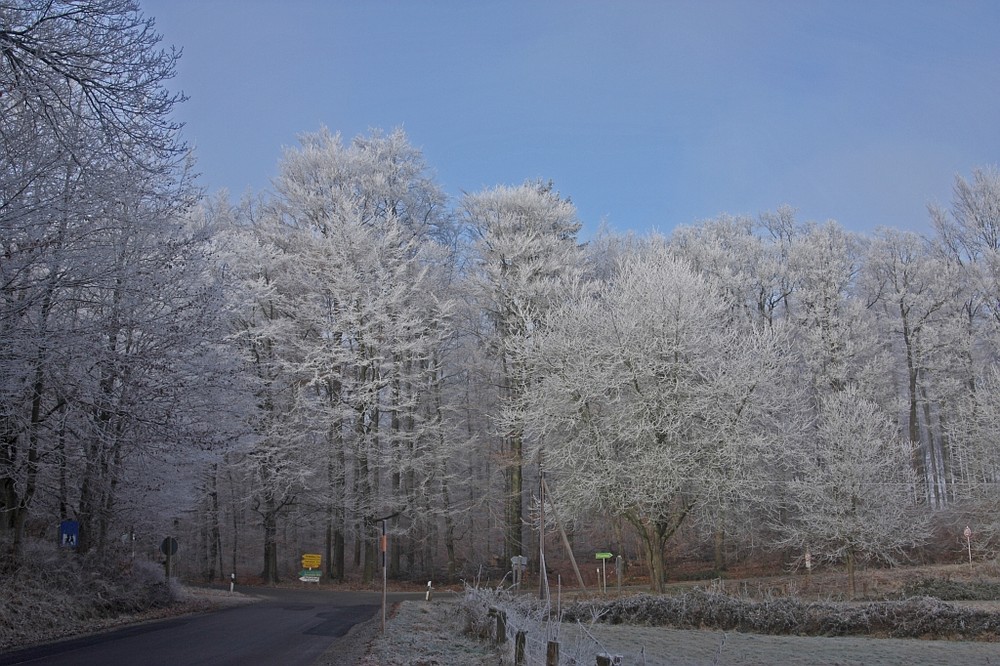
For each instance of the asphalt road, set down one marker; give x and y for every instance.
(289, 627)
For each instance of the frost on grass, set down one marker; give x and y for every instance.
(428, 634)
(60, 594)
(644, 630)
(917, 617)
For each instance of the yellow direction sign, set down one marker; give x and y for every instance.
(311, 561)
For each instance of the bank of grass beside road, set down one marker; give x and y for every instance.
(58, 595)
(417, 632)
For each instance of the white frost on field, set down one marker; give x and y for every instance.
(428, 633)
(674, 647)
(433, 633)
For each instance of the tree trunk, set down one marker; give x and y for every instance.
(338, 553)
(215, 532)
(657, 564)
(449, 520)
(851, 574)
(936, 476)
(514, 544)
(720, 549)
(270, 572)
(371, 557)
(913, 425)
(235, 514)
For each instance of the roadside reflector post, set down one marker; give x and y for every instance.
(968, 542)
(602, 572)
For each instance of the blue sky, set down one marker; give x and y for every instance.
(647, 114)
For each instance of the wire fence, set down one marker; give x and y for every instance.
(529, 632)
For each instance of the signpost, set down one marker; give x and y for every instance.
(518, 565)
(604, 557)
(169, 548)
(384, 546)
(310, 575)
(310, 572)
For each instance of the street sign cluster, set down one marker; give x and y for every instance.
(310, 572)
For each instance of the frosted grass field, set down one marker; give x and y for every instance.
(427, 634)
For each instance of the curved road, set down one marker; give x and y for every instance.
(290, 627)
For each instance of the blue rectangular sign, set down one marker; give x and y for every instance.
(69, 533)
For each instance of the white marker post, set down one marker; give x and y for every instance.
(602, 573)
(968, 542)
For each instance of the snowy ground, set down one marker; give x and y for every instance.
(422, 634)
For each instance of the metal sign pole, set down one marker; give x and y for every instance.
(383, 545)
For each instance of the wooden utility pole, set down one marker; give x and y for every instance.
(543, 579)
(565, 539)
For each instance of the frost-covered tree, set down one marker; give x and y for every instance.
(912, 288)
(525, 259)
(357, 272)
(746, 261)
(95, 61)
(852, 499)
(836, 333)
(91, 191)
(749, 268)
(966, 243)
(649, 404)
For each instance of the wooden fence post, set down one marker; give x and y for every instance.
(519, 640)
(552, 654)
(501, 626)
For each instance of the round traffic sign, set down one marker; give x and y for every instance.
(169, 546)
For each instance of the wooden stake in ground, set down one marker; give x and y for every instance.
(565, 540)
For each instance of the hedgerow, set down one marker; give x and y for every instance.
(916, 617)
(953, 590)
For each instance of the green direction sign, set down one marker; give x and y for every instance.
(309, 575)
(604, 556)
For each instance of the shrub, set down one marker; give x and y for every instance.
(56, 592)
(921, 617)
(949, 590)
